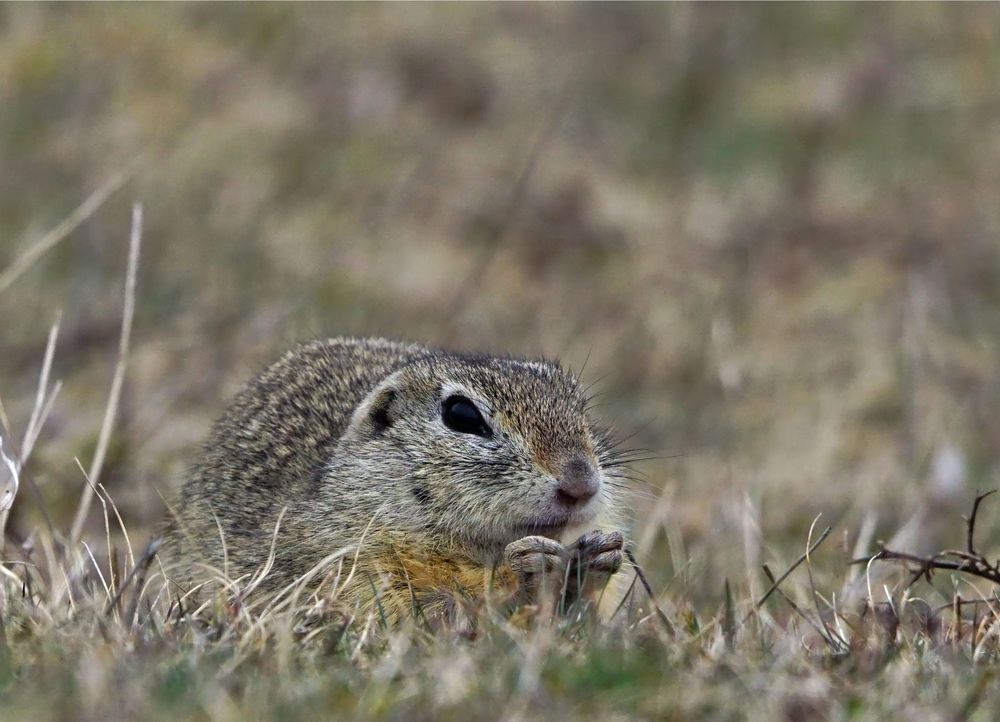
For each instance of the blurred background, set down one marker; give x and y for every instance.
(770, 233)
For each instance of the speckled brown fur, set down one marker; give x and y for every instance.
(342, 439)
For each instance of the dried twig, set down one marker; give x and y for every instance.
(135, 241)
(86, 209)
(969, 561)
(795, 565)
(971, 521)
(925, 566)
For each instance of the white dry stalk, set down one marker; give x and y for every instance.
(44, 400)
(135, 241)
(100, 574)
(7, 498)
(9, 491)
(10, 575)
(225, 548)
(288, 597)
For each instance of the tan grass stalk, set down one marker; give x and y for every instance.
(51, 239)
(107, 529)
(135, 241)
(121, 523)
(38, 411)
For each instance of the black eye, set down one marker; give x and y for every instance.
(461, 415)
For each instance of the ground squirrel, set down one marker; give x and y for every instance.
(423, 476)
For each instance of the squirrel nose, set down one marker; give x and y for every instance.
(578, 483)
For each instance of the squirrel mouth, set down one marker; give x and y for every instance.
(549, 526)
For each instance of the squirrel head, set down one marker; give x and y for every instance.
(477, 452)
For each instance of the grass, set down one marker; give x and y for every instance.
(102, 633)
(85, 638)
(768, 234)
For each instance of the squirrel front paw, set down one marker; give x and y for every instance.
(598, 552)
(545, 569)
(593, 558)
(538, 563)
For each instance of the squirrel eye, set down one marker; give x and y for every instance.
(461, 415)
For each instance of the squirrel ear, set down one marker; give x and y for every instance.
(376, 412)
(379, 408)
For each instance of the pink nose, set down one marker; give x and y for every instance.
(578, 482)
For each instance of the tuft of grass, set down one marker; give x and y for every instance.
(118, 644)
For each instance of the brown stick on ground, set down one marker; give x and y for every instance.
(971, 561)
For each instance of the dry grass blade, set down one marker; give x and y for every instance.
(135, 241)
(834, 640)
(649, 592)
(47, 242)
(138, 572)
(776, 586)
(775, 583)
(829, 634)
(729, 618)
(107, 527)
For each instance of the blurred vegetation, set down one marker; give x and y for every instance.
(771, 233)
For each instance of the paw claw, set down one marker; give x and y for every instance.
(606, 562)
